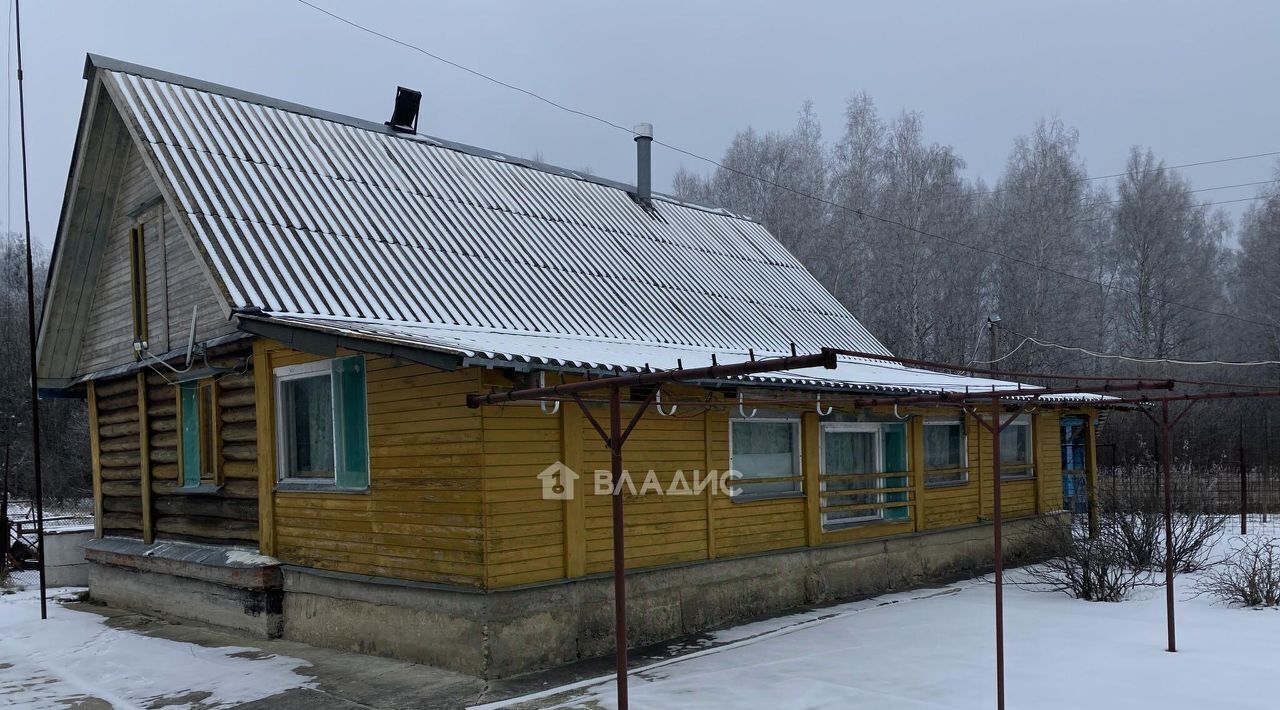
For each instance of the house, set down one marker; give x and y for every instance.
(275, 314)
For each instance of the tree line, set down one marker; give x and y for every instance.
(889, 223)
(64, 423)
(922, 255)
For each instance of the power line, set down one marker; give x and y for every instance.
(1207, 189)
(1239, 184)
(863, 214)
(1156, 169)
(1198, 204)
(467, 69)
(980, 249)
(1127, 358)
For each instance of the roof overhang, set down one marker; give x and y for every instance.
(317, 339)
(449, 347)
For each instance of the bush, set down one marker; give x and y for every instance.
(1249, 575)
(1133, 512)
(1093, 569)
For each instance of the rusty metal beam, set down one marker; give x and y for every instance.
(826, 359)
(1194, 397)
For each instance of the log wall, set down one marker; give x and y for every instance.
(224, 513)
(229, 512)
(119, 459)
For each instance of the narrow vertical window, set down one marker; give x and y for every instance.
(138, 289)
(894, 445)
(198, 433)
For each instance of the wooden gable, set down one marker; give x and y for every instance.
(86, 326)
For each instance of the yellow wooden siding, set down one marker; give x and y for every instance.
(1019, 497)
(957, 504)
(528, 536)
(1048, 443)
(659, 529)
(421, 516)
(455, 495)
(525, 531)
(743, 527)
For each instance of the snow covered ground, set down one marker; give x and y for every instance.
(926, 649)
(74, 657)
(935, 649)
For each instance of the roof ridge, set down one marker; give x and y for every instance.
(98, 61)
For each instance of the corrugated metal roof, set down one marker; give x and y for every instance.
(534, 351)
(305, 215)
(336, 224)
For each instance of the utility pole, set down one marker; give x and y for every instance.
(1244, 484)
(997, 517)
(1166, 464)
(31, 323)
(4, 509)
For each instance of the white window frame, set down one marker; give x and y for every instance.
(877, 432)
(797, 465)
(304, 371)
(964, 452)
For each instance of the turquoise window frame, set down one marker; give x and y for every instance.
(891, 457)
(895, 462)
(349, 398)
(190, 466)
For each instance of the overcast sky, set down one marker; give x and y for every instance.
(1194, 81)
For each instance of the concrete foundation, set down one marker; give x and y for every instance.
(224, 586)
(506, 632)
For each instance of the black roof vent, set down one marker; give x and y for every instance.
(404, 117)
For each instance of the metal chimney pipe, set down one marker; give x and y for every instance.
(644, 171)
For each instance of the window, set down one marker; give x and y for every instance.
(321, 424)
(855, 457)
(198, 462)
(945, 452)
(1016, 449)
(764, 455)
(138, 289)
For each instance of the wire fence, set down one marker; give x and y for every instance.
(19, 541)
(1211, 504)
(1222, 489)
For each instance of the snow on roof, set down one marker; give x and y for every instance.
(510, 348)
(323, 221)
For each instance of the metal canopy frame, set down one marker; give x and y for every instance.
(1166, 424)
(616, 437)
